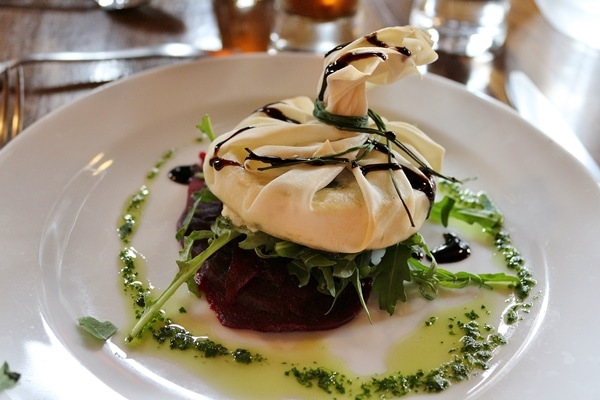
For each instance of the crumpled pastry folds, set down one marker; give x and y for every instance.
(346, 92)
(344, 207)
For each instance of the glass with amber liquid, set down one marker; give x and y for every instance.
(314, 25)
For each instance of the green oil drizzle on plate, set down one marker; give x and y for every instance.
(446, 348)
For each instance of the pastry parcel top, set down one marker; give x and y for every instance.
(329, 173)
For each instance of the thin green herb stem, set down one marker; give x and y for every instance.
(206, 127)
(188, 269)
(335, 158)
(352, 124)
(396, 188)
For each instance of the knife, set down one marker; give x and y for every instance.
(535, 108)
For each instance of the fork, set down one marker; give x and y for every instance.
(11, 121)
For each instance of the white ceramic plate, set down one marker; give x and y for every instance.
(64, 181)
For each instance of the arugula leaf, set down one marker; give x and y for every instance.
(204, 195)
(430, 277)
(187, 219)
(186, 254)
(467, 206)
(356, 282)
(222, 233)
(8, 378)
(99, 330)
(392, 272)
(444, 206)
(263, 244)
(334, 272)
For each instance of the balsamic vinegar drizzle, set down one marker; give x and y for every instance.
(219, 163)
(276, 113)
(419, 181)
(358, 123)
(343, 62)
(182, 174)
(453, 250)
(374, 40)
(348, 58)
(276, 161)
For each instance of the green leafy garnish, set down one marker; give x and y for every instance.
(99, 330)
(202, 196)
(335, 272)
(221, 234)
(8, 378)
(388, 269)
(205, 126)
(390, 275)
(466, 205)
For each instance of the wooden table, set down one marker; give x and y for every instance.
(565, 70)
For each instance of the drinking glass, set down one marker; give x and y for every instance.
(463, 27)
(244, 25)
(579, 19)
(314, 25)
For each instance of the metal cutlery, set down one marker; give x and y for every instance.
(12, 85)
(170, 50)
(111, 5)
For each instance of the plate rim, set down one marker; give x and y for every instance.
(15, 146)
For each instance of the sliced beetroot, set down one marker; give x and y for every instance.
(250, 292)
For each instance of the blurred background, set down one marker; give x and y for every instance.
(564, 68)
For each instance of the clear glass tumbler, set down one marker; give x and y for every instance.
(463, 27)
(314, 25)
(579, 19)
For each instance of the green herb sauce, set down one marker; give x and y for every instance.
(163, 329)
(446, 348)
